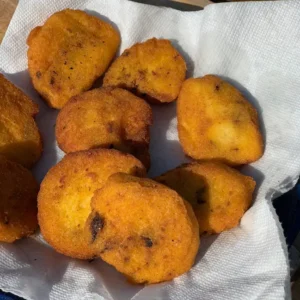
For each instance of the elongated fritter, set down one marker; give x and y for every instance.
(68, 53)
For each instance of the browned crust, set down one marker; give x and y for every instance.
(105, 118)
(219, 194)
(207, 102)
(153, 69)
(18, 207)
(64, 197)
(68, 53)
(20, 139)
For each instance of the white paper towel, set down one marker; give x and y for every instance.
(256, 46)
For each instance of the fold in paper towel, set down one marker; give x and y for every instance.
(253, 45)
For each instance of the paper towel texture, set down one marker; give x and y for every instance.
(253, 45)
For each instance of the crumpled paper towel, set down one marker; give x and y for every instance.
(253, 45)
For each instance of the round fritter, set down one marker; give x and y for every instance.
(219, 195)
(144, 229)
(154, 68)
(18, 201)
(66, 192)
(216, 122)
(68, 53)
(20, 140)
(105, 118)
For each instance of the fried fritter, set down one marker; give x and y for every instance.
(20, 140)
(68, 53)
(144, 229)
(219, 195)
(10, 94)
(216, 122)
(154, 68)
(18, 204)
(66, 192)
(105, 118)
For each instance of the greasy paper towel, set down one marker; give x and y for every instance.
(256, 47)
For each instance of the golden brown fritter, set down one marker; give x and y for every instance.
(20, 140)
(106, 118)
(10, 94)
(18, 204)
(68, 53)
(154, 68)
(216, 122)
(220, 195)
(144, 229)
(66, 192)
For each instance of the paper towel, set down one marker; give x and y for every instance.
(253, 45)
